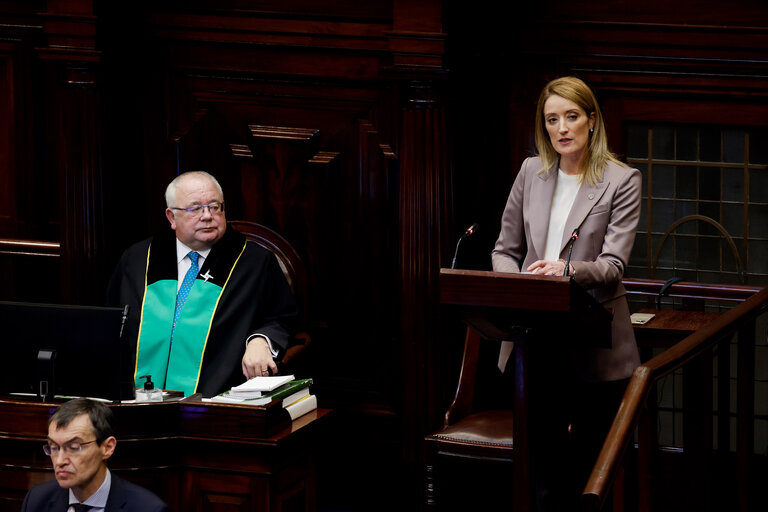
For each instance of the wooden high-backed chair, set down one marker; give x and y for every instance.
(471, 445)
(295, 274)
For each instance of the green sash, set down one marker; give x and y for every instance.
(178, 362)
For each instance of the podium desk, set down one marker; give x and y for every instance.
(195, 455)
(506, 306)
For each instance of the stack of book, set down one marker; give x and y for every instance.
(295, 394)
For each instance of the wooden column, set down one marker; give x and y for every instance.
(425, 185)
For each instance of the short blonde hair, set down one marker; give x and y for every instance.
(597, 153)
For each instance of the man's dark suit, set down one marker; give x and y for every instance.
(123, 497)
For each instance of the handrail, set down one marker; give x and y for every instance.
(30, 247)
(691, 290)
(640, 386)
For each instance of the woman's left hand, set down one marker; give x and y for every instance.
(547, 268)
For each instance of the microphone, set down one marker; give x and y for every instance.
(574, 237)
(125, 317)
(470, 231)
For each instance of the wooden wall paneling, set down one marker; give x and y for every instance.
(73, 131)
(222, 492)
(29, 247)
(8, 125)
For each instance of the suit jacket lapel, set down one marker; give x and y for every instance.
(59, 501)
(116, 499)
(542, 190)
(587, 197)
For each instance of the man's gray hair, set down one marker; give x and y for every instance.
(170, 191)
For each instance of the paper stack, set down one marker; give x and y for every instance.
(295, 393)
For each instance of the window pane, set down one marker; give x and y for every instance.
(709, 145)
(663, 143)
(684, 209)
(662, 215)
(663, 181)
(758, 263)
(665, 256)
(729, 259)
(733, 219)
(686, 182)
(709, 253)
(758, 186)
(758, 226)
(685, 251)
(709, 183)
(733, 184)
(687, 143)
(733, 146)
(711, 210)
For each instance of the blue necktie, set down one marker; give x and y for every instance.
(186, 285)
(181, 298)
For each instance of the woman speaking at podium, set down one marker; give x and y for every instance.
(573, 210)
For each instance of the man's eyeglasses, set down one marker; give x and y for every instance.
(197, 210)
(71, 448)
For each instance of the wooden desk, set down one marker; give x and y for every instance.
(195, 455)
(664, 330)
(669, 326)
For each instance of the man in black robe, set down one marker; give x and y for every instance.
(207, 309)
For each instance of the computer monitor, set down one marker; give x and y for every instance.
(53, 351)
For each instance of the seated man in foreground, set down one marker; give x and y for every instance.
(207, 309)
(80, 440)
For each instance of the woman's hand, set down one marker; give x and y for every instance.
(548, 268)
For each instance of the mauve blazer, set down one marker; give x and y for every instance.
(607, 216)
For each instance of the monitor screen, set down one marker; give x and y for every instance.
(60, 351)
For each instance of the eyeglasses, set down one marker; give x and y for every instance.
(197, 210)
(71, 448)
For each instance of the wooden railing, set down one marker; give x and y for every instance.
(637, 410)
(30, 247)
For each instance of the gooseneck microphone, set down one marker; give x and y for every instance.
(470, 231)
(126, 308)
(574, 237)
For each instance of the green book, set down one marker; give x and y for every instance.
(286, 390)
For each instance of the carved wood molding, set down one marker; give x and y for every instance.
(669, 58)
(282, 132)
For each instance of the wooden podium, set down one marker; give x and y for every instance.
(505, 306)
(195, 455)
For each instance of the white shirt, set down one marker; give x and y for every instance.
(183, 262)
(566, 188)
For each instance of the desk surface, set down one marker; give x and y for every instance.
(669, 326)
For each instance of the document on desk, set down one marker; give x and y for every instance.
(262, 384)
(641, 318)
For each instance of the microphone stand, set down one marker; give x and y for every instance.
(574, 237)
(470, 230)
